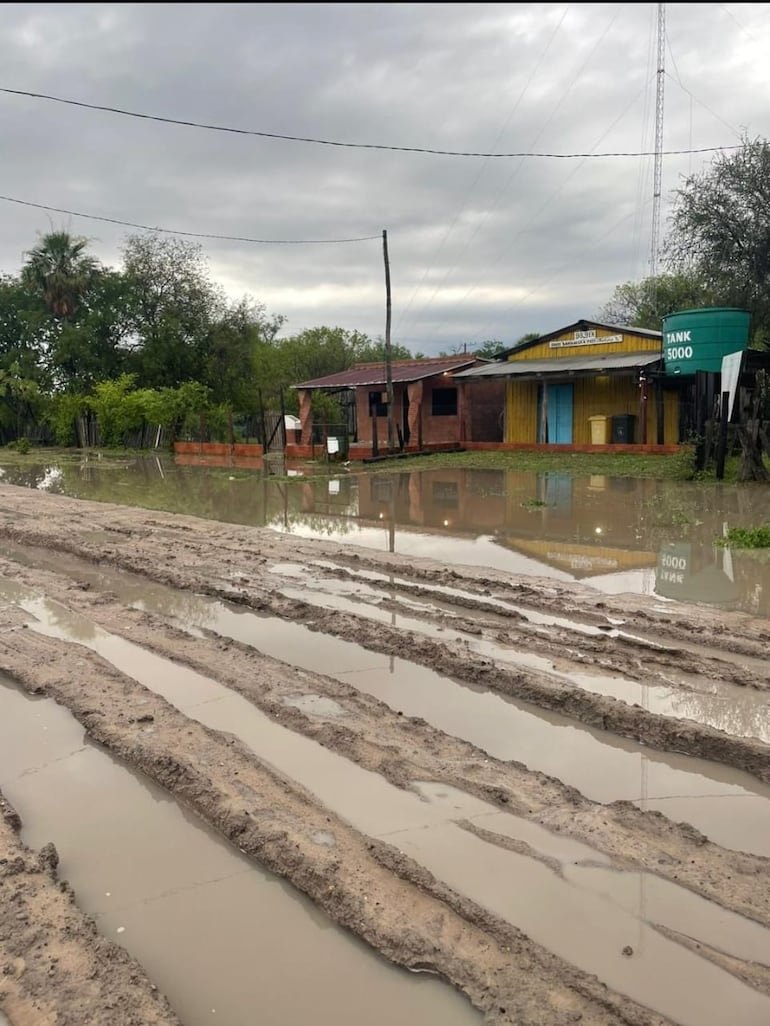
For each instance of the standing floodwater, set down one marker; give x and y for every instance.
(616, 534)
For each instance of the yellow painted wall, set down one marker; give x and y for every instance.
(550, 350)
(521, 411)
(601, 396)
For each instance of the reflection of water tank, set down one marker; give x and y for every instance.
(696, 340)
(683, 576)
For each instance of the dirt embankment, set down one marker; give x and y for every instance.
(364, 884)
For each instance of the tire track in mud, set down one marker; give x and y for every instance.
(394, 762)
(394, 904)
(81, 630)
(403, 749)
(206, 567)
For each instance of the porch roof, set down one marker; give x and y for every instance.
(566, 367)
(401, 371)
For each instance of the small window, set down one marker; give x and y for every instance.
(444, 402)
(378, 407)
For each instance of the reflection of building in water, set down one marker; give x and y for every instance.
(581, 526)
(585, 527)
(692, 573)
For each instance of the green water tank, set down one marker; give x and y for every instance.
(696, 340)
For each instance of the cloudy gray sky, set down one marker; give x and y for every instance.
(480, 248)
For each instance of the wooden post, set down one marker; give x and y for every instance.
(544, 415)
(375, 440)
(388, 357)
(643, 412)
(263, 423)
(283, 423)
(724, 416)
(700, 419)
(660, 412)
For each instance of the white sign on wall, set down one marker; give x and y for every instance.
(584, 338)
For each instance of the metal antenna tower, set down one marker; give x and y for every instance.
(658, 167)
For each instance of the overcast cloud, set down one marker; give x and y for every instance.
(479, 248)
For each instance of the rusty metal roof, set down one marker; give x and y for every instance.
(401, 371)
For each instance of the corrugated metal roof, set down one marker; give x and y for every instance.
(401, 371)
(568, 365)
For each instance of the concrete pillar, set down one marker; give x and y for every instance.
(463, 412)
(305, 415)
(414, 391)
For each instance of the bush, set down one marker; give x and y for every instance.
(746, 538)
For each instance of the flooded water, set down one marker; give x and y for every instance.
(161, 884)
(617, 534)
(583, 911)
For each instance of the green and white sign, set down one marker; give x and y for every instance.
(697, 340)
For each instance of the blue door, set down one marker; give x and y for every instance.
(558, 404)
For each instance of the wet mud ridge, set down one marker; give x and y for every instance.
(555, 801)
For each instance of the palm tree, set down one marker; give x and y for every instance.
(61, 272)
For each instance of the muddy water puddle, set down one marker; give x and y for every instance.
(736, 710)
(161, 884)
(585, 918)
(617, 534)
(730, 807)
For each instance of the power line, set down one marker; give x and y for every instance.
(347, 145)
(194, 235)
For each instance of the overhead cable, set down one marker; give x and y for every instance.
(195, 235)
(348, 145)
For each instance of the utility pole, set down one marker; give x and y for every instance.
(388, 356)
(657, 177)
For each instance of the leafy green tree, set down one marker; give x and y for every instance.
(243, 331)
(20, 400)
(365, 350)
(26, 330)
(720, 231)
(61, 272)
(644, 304)
(489, 350)
(316, 352)
(172, 309)
(93, 347)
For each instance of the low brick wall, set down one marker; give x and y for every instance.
(218, 449)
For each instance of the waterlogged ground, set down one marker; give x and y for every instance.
(475, 723)
(616, 534)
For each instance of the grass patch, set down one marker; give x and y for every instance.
(677, 466)
(745, 538)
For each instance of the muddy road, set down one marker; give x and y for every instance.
(552, 805)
